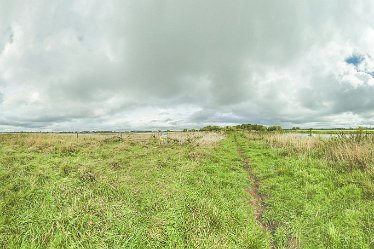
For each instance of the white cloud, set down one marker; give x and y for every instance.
(68, 65)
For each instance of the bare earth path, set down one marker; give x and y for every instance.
(257, 200)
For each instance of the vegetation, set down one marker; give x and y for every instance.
(211, 128)
(239, 187)
(318, 193)
(332, 131)
(275, 128)
(251, 127)
(104, 192)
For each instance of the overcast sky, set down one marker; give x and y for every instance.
(168, 64)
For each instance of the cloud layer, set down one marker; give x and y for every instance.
(82, 65)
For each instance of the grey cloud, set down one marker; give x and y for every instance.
(6, 36)
(93, 64)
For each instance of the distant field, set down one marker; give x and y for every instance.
(186, 190)
(316, 131)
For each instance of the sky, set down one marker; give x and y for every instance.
(173, 64)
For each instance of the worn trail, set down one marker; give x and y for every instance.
(257, 200)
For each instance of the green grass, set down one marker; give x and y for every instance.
(98, 193)
(312, 203)
(57, 191)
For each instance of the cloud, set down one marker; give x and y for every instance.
(121, 64)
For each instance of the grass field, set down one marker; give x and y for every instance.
(315, 195)
(195, 190)
(333, 131)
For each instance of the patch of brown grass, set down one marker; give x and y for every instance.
(354, 151)
(294, 142)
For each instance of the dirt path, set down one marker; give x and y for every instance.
(257, 200)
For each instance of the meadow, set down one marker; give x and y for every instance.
(233, 189)
(332, 131)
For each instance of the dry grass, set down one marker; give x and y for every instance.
(177, 137)
(197, 137)
(297, 143)
(66, 143)
(354, 151)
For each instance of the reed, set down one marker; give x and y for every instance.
(347, 151)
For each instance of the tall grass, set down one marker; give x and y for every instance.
(100, 191)
(353, 151)
(318, 192)
(346, 151)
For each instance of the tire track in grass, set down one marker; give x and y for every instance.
(257, 200)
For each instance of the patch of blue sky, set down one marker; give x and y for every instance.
(355, 59)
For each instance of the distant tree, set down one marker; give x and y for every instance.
(310, 131)
(229, 128)
(211, 128)
(251, 127)
(275, 128)
(360, 129)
